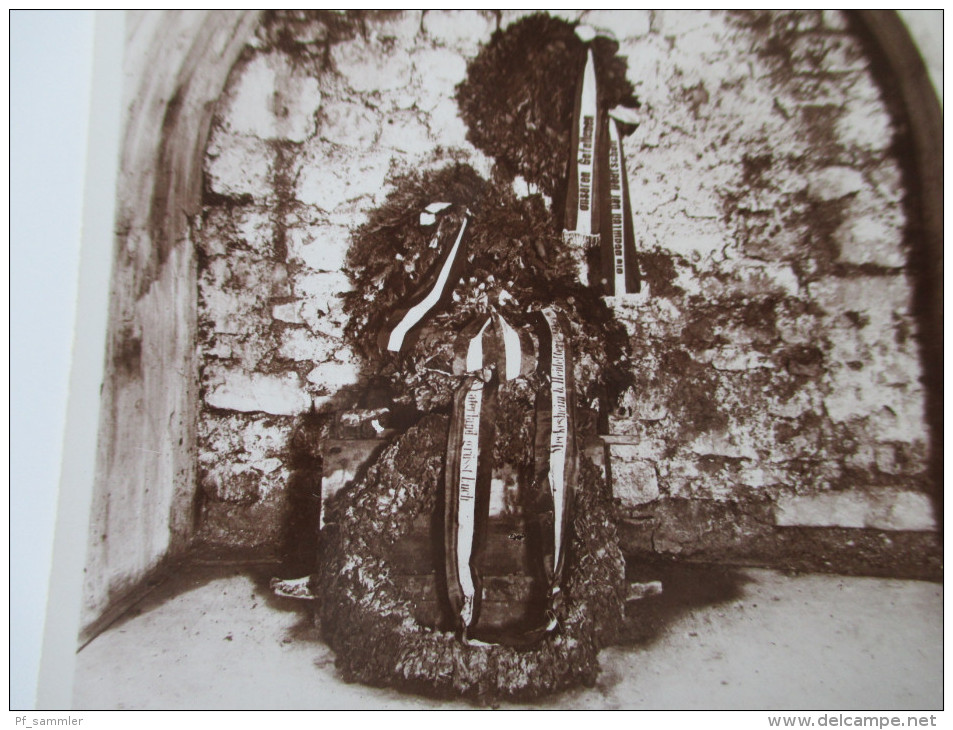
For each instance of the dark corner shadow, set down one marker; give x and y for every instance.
(194, 573)
(685, 588)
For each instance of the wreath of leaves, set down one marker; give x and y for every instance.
(511, 244)
(368, 620)
(519, 94)
(518, 101)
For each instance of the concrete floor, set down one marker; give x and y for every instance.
(215, 638)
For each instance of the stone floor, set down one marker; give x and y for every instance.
(213, 637)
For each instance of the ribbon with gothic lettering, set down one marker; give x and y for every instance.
(486, 347)
(468, 469)
(555, 447)
(620, 271)
(434, 291)
(487, 350)
(581, 228)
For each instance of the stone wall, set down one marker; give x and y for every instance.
(143, 508)
(776, 356)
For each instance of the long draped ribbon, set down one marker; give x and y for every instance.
(555, 443)
(582, 193)
(620, 270)
(582, 221)
(428, 297)
(468, 472)
(486, 346)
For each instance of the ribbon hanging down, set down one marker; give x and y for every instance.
(494, 341)
(582, 222)
(620, 272)
(555, 446)
(467, 475)
(433, 291)
(487, 346)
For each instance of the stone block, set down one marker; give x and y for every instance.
(872, 233)
(349, 124)
(287, 313)
(464, 30)
(835, 182)
(273, 99)
(446, 127)
(900, 416)
(402, 26)
(300, 345)
(280, 394)
(866, 125)
(240, 166)
(440, 70)
(254, 230)
(227, 312)
(878, 298)
(319, 247)
(870, 241)
(734, 358)
(321, 287)
(620, 23)
(752, 279)
(368, 67)
(697, 242)
(677, 22)
(330, 182)
(834, 20)
(404, 132)
(644, 405)
(634, 480)
(723, 443)
(874, 508)
(321, 307)
(261, 439)
(333, 375)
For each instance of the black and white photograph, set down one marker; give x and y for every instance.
(472, 359)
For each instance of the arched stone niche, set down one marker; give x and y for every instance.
(775, 340)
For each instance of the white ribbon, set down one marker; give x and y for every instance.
(617, 208)
(559, 425)
(586, 152)
(417, 312)
(466, 499)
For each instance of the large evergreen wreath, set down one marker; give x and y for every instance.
(517, 102)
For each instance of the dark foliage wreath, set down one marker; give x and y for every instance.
(369, 623)
(517, 101)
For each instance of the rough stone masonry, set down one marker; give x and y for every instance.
(775, 353)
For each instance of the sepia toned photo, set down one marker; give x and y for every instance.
(502, 359)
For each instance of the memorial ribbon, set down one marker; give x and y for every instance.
(430, 294)
(512, 348)
(582, 225)
(468, 470)
(555, 442)
(620, 270)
